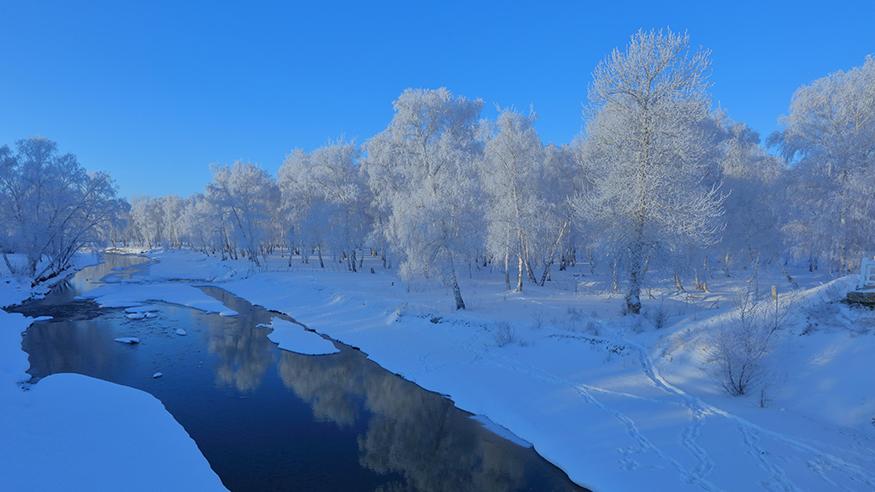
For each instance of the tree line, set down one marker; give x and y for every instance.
(658, 179)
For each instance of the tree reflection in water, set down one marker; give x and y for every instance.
(410, 432)
(333, 422)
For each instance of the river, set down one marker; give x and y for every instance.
(270, 419)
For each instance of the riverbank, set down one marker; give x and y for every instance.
(73, 432)
(618, 402)
(614, 401)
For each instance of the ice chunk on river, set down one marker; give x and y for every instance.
(141, 309)
(294, 338)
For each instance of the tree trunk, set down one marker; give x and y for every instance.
(678, 284)
(553, 249)
(519, 269)
(615, 280)
(507, 269)
(633, 297)
(454, 283)
(12, 272)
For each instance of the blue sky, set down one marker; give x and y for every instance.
(154, 92)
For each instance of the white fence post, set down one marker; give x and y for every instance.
(867, 274)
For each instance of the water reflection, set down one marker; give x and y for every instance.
(268, 419)
(243, 350)
(415, 434)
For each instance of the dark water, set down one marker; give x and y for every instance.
(268, 419)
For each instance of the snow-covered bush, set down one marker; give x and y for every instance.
(504, 334)
(741, 346)
(658, 315)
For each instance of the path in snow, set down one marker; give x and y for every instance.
(750, 434)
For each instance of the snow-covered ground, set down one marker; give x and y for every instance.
(73, 432)
(614, 401)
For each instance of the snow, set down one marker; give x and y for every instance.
(73, 432)
(610, 399)
(294, 338)
(128, 340)
(15, 288)
(141, 309)
(500, 431)
(613, 401)
(134, 294)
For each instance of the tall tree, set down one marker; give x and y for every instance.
(422, 173)
(52, 206)
(645, 142)
(829, 136)
(325, 199)
(512, 160)
(246, 195)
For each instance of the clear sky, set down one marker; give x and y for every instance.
(155, 91)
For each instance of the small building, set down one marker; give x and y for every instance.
(865, 293)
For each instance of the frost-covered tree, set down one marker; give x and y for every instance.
(752, 181)
(325, 200)
(829, 136)
(558, 182)
(148, 221)
(645, 143)
(422, 172)
(526, 214)
(512, 159)
(201, 226)
(171, 209)
(246, 196)
(51, 206)
(296, 201)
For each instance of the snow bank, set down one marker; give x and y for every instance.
(73, 432)
(194, 267)
(501, 431)
(133, 295)
(294, 338)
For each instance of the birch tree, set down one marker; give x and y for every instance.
(52, 206)
(829, 135)
(645, 143)
(325, 199)
(512, 158)
(422, 173)
(751, 179)
(247, 196)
